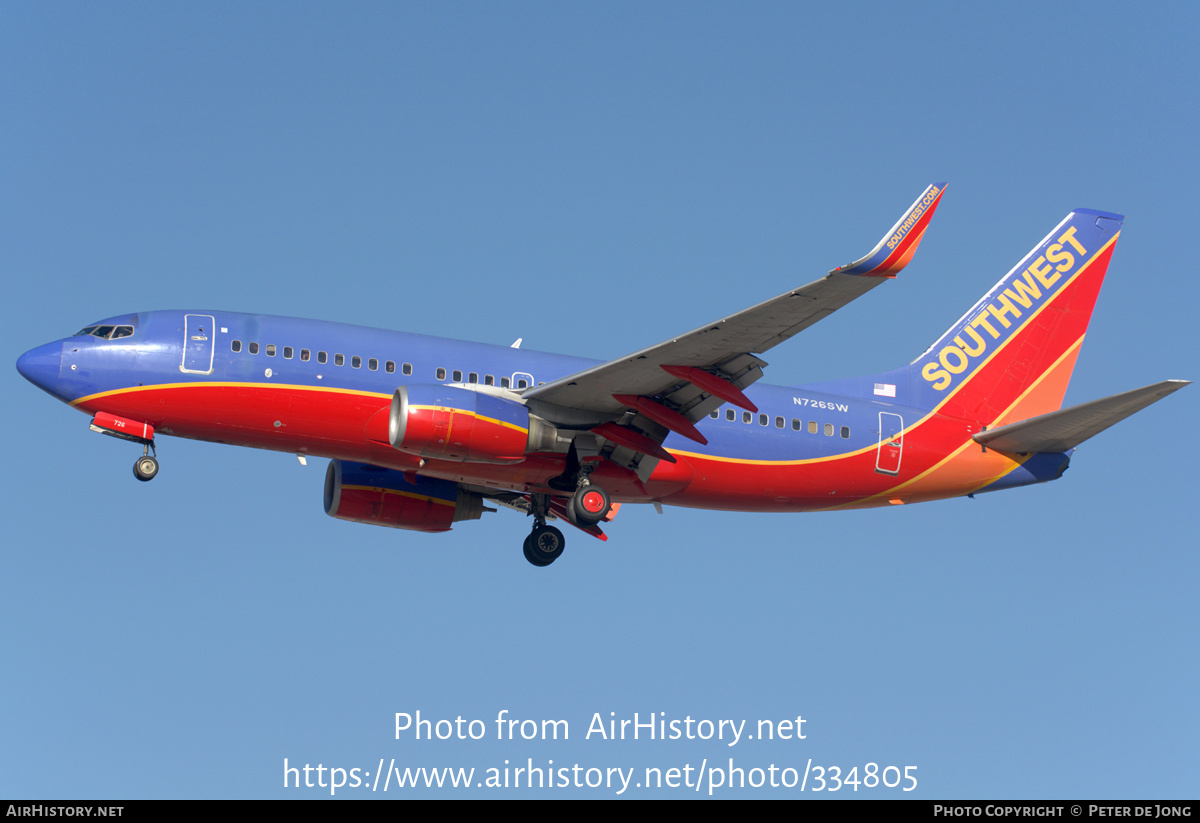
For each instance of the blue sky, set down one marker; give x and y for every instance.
(592, 178)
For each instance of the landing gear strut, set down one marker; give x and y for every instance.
(146, 466)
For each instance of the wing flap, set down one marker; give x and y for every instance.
(1062, 430)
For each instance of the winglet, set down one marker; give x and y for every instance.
(898, 245)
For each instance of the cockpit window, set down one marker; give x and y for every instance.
(106, 332)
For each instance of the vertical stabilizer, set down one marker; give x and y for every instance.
(1010, 357)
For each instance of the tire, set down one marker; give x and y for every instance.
(533, 560)
(590, 505)
(544, 546)
(145, 468)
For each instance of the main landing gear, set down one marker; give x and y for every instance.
(545, 543)
(589, 505)
(146, 466)
(586, 507)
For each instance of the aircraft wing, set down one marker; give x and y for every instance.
(680, 380)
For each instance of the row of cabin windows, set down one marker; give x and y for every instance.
(797, 424)
(373, 364)
(489, 380)
(322, 357)
(456, 376)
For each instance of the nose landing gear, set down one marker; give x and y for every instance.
(146, 466)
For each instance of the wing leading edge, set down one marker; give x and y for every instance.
(678, 381)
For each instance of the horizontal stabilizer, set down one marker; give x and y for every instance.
(1065, 429)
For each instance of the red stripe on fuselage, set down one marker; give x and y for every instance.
(334, 423)
(321, 422)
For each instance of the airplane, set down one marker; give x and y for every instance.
(424, 432)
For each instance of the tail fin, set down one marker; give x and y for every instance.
(1010, 357)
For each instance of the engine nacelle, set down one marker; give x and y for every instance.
(362, 493)
(448, 423)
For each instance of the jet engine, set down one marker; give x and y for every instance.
(448, 423)
(362, 493)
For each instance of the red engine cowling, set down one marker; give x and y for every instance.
(447, 423)
(362, 493)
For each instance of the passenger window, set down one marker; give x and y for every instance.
(390, 367)
(254, 348)
(407, 368)
(356, 362)
(304, 355)
(779, 422)
(339, 359)
(762, 420)
(473, 377)
(287, 352)
(812, 426)
(522, 383)
(714, 414)
(747, 417)
(845, 432)
(504, 382)
(795, 424)
(488, 380)
(457, 376)
(235, 345)
(322, 357)
(829, 430)
(730, 414)
(270, 350)
(373, 364)
(441, 374)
